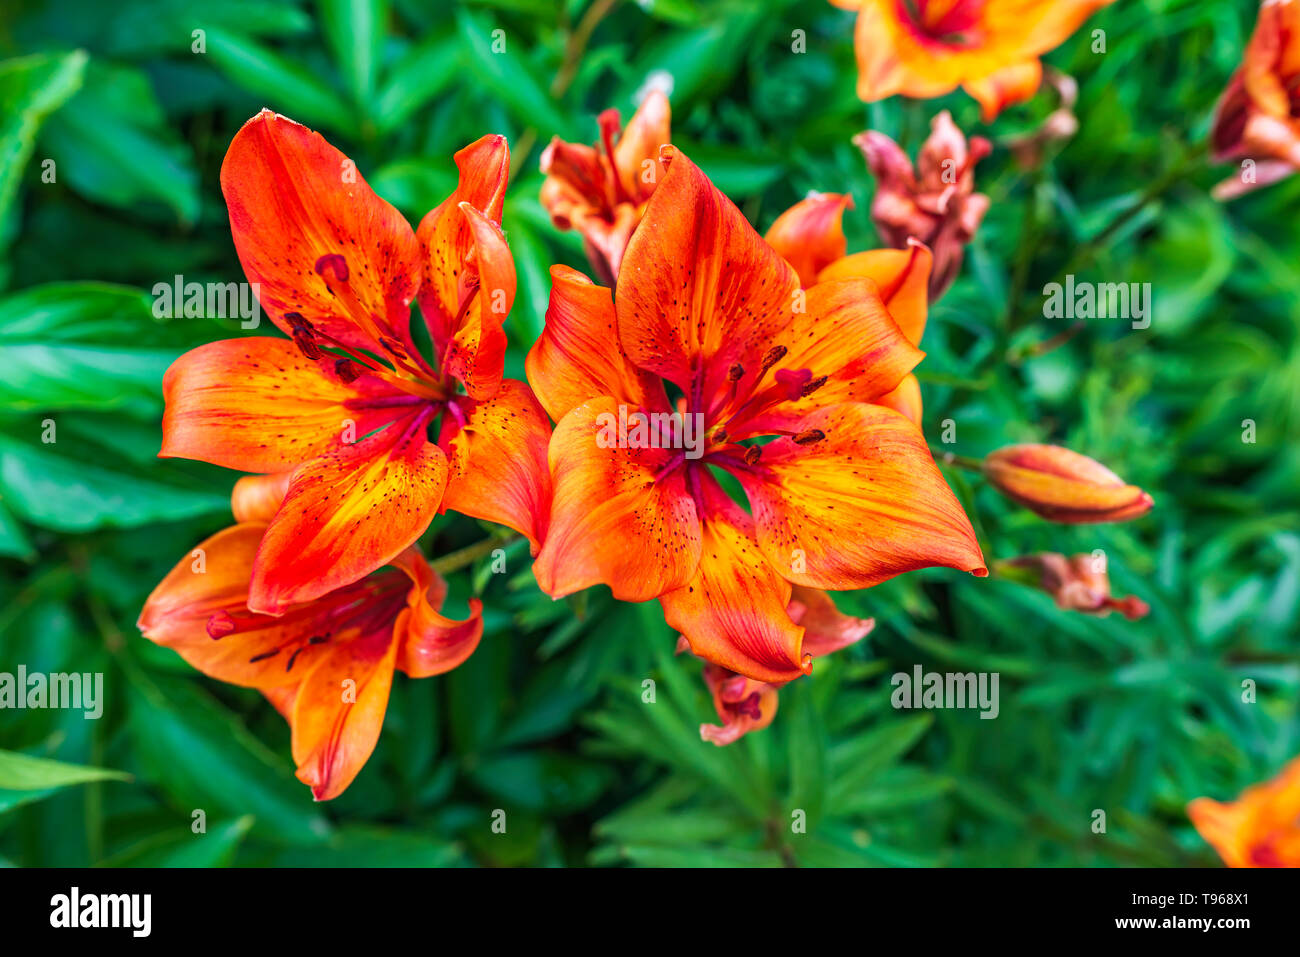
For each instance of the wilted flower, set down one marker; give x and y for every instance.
(601, 192)
(1259, 829)
(926, 48)
(844, 495)
(347, 403)
(744, 704)
(1060, 125)
(1064, 486)
(1257, 121)
(326, 664)
(1078, 583)
(934, 203)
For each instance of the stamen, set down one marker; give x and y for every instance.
(813, 386)
(753, 454)
(303, 340)
(294, 657)
(346, 370)
(809, 436)
(263, 656)
(736, 372)
(772, 357)
(393, 346)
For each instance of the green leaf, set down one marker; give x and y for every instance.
(113, 145)
(509, 76)
(22, 772)
(203, 757)
(81, 346)
(31, 88)
(354, 30)
(421, 74)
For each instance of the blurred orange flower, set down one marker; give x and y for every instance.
(1063, 486)
(1079, 583)
(935, 202)
(346, 404)
(844, 495)
(601, 192)
(1258, 116)
(1259, 829)
(990, 48)
(326, 664)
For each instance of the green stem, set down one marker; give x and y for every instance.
(470, 554)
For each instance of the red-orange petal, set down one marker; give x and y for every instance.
(496, 460)
(455, 267)
(293, 198)
(858, 506)
(826, 628)
(260, 405)
(905, 399)
(810, 234)
(1014, 83)
(1064, 486)
(427, 642)
(256, 498)
(733, 610)
(621, 516)
(699, 290)
(347, 513)
(637, 152)
(902, 275)
(578, 355)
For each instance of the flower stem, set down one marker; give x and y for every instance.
(471, 553)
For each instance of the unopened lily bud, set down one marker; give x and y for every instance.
(1064, 486)
(1078, 583)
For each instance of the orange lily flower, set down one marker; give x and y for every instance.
(844, 496)
(346, 404)
(326, 664)
(743, 704)
(936, 202)
(990, 48)
(1063, 486)
(1259, 829)
(810, 236)
(1078, 583)
(601, 192)
(1258, 116)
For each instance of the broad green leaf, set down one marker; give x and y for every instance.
(22, 772)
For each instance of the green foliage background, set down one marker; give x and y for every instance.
(547, 721)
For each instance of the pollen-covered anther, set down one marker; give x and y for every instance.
(346, 370)
(736, 372)
(306, 344)
(773, 356)
(809, 436)
(393, 346)
(810, 387)
(220, 624)
(335, 264)
(753, 454)
(298, 321)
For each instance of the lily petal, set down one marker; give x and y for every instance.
(810, 234)
(902, 276)
(347, 513)
(496, 457)
(578, 355)
(294, 199)
(607, 497)
(256, 498)
(427, 642)
(477, 351)
(699, 290)
(733, 610)
(260, 405)
(858, 506)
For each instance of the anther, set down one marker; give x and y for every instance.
(293, 657)
(306, 345)
(809, 436)
(335, 263)
(393, 346)
(753, 454)
(813, 386)
(720, 436)
(346, 370)
(773, 356)
(263, 656)
(298, 321)
(736, 372)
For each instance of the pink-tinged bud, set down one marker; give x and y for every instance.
(1064, 486)
(935, 202)
(1254, 123)
(1077, 582)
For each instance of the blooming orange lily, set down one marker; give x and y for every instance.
(990, 48)
(844, 494)
(1258, 117)
(743, 704)
(1259, 829)
(601, 192)
(810, 236)
(346, 404)
(326, 664)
